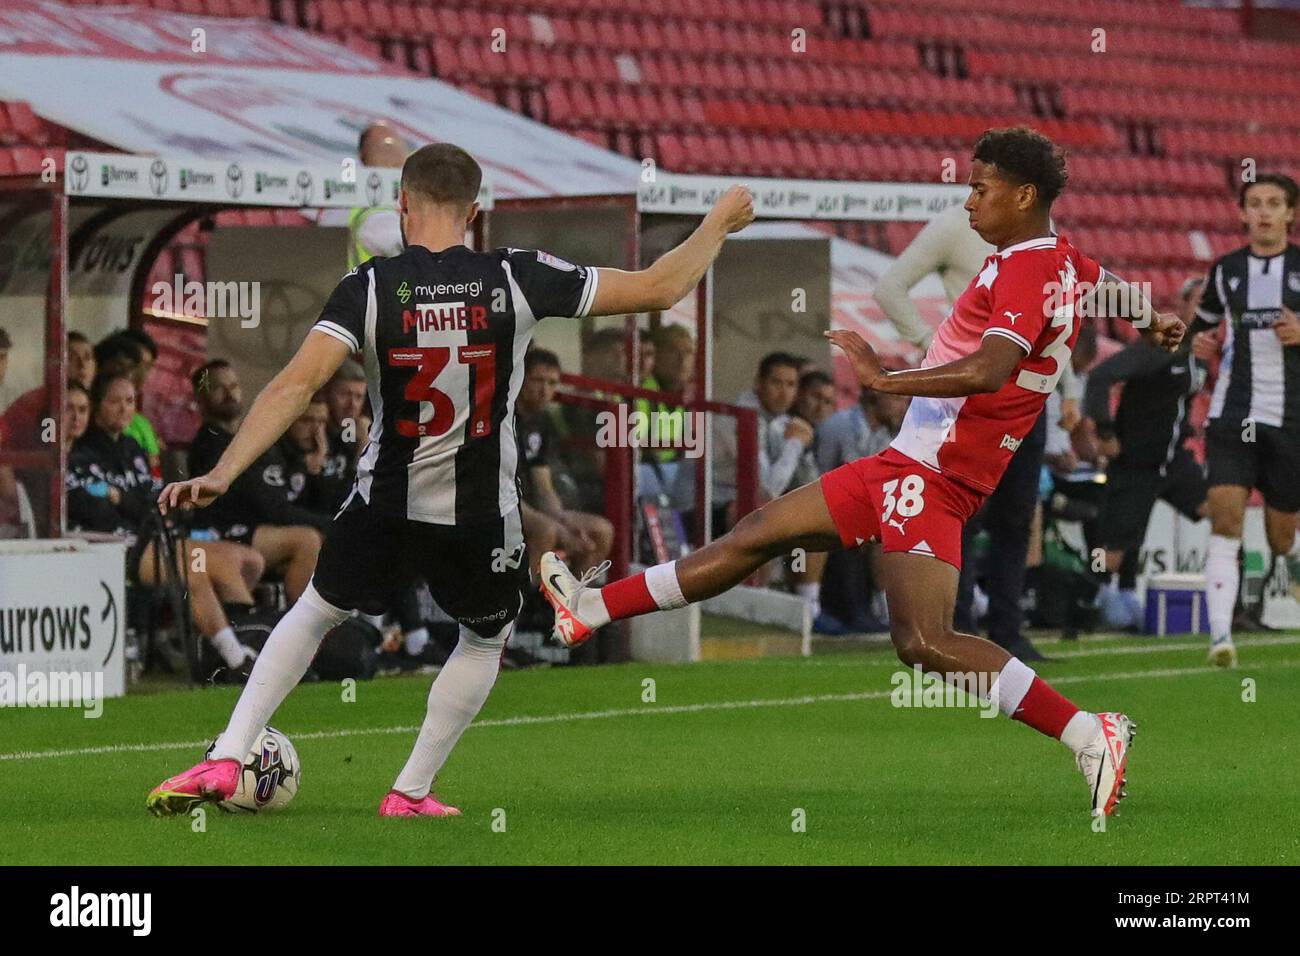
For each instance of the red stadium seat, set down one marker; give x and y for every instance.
(379, 18)
(327, 16)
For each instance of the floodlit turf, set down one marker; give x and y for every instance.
(687, 779)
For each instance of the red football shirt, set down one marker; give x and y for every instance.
(20, 425)
(1027, 294)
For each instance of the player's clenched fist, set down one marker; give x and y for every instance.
(863, 358)
(1165, 331)
(734, 208)
(1205, 345)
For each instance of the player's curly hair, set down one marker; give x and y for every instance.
(1025, 155)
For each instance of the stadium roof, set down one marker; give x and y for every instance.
(147, 81)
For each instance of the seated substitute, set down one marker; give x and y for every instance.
(584, 538)
(111, 491)
(257, 510)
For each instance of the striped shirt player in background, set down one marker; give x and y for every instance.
(983, 384)
(442, 331)
(1252, 438)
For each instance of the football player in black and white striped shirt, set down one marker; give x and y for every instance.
(1252, 439)
(442, 331)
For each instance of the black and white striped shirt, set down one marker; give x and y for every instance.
(442, 336)
(1259, 377)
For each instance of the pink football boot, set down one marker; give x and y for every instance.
(397, 804)
(210, 780)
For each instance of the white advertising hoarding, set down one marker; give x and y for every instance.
(62, 613)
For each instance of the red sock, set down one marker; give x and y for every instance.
(1044, 709)
(628, 597)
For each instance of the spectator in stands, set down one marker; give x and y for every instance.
(772, 395)
(376, 230)
(673, 371)
(602, 355)
(646, 346)
(81, 360)
(584, 538)
(349, 425)
(23, 427)
(116, 354)
(76, 413)
(305, 447)
(813, 404)
(110, 490)
(141, 429)
(256, 510)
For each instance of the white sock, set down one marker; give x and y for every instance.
(1010, 688)
(228, 646)
(457, 695)
(660, 580)
(1080, 730)
(285, 658)
(591, 608)
(1221, 584)
(1011, 685)
(811, 591)
(415, 641)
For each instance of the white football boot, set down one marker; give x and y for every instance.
(562, 591)
(1105, 760)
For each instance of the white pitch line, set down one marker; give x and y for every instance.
(1201, 645)
(1054, 654)
(530, 720)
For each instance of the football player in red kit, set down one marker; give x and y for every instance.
(983, 383)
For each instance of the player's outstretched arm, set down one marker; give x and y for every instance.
(678, 271)
(278, 406)
(984, 370)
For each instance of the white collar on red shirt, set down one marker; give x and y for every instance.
(1042, 242)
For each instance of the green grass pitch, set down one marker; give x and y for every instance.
(580, 770)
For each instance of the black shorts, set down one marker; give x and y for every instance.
(1132, 491)
(478, 573)
(1270, 463)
